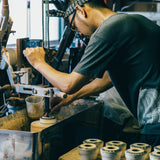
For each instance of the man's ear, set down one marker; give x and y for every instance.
(81, 10)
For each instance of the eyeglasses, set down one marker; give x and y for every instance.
(74, 29)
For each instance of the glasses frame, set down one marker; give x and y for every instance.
(74, 29)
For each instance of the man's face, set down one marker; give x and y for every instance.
(80, 24)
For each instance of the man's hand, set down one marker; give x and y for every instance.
(35, 56)
(56, 103)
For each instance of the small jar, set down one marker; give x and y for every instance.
(135, 154)
(119, 144)
(157, 148)
(88, 151)
(97, 142)
(110, 153)
(155, 155)
(143, 146)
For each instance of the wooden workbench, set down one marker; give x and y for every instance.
(73, 154)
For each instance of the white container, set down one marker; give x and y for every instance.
(155, 155)
(110, 153)
(95, 141)
(88, 151)
(143, 146)
(135, 154)
(157, 148)
(119, 144)
(35, 106)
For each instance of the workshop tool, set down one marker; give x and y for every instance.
(48, 120)
(49, 116)
(14, 104)
(4, 20)
(18, 75)
(65, 42)
(3, 110)
(5, 29)
(6, 89)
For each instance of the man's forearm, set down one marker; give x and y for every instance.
(94, 88)
(68, 83)
(65, 82)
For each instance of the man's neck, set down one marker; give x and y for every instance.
(100, 15)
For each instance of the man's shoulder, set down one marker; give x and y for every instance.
(122, 19)
(115, 24)
(121, 23)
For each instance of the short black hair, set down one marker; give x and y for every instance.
(93, 3)
(70, 4)
(97, 3)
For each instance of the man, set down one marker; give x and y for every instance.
(127, 46)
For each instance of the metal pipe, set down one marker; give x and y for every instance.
(4, 17)
(5, 9)
(3, 22)
(5, 2)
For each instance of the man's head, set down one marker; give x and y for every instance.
(71, 4)
(84, 10)
(93, 2)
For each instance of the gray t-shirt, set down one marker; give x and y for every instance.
(127, 46)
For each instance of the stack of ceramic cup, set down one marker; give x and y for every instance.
(135, 154)
(97, 142)
(155, 155)
(144, 146)
(88, 151)
(121, 145)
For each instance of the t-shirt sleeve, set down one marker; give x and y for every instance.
(97, 57)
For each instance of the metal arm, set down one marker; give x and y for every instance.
(5, 29)
(65, 42)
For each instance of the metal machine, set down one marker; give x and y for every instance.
(21, 78)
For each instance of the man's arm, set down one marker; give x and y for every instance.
(93, 88)
(68, 83)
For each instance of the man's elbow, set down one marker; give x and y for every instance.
(69, 89)
(73, 83)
